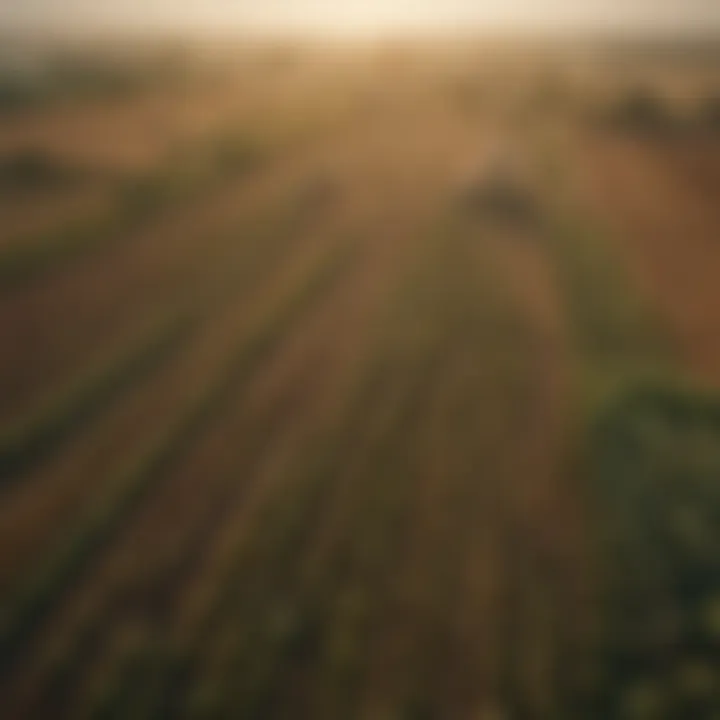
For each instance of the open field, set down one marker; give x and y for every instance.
(376, 384)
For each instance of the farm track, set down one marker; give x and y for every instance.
(649, 195)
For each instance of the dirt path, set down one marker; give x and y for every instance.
(668, 235)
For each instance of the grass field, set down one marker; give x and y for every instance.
(361, 384)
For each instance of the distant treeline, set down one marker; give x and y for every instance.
(31, 78)
(692, 51)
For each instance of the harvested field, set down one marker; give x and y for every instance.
(361, 385)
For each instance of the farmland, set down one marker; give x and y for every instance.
(351, 383)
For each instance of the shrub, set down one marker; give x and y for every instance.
(16, 94)
(32, 170)
(498, 192)
(642, 110)
(710, 112)
(655, 469)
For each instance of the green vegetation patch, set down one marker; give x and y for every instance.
(709, 111)
(52, 77)
(34, 437)
(219, 158)
(645, 112)
(24, 610)
(642, 110)
(501, 195)
(187, 174)
(30, 170)
(654, 470)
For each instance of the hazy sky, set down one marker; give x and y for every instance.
(363, 15)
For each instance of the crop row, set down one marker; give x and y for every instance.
(131, 483)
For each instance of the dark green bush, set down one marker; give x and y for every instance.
(17, 94)
(32, 170)
(498, 193)
(57, 75)
(654, 463)
(710, 111)
(642, 110)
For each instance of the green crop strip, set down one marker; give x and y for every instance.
(265, 648)
(196, 172)
(25, 610)
(243, 272)
(173, 665)
(34, 438)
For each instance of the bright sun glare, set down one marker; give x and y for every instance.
(361, 17)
